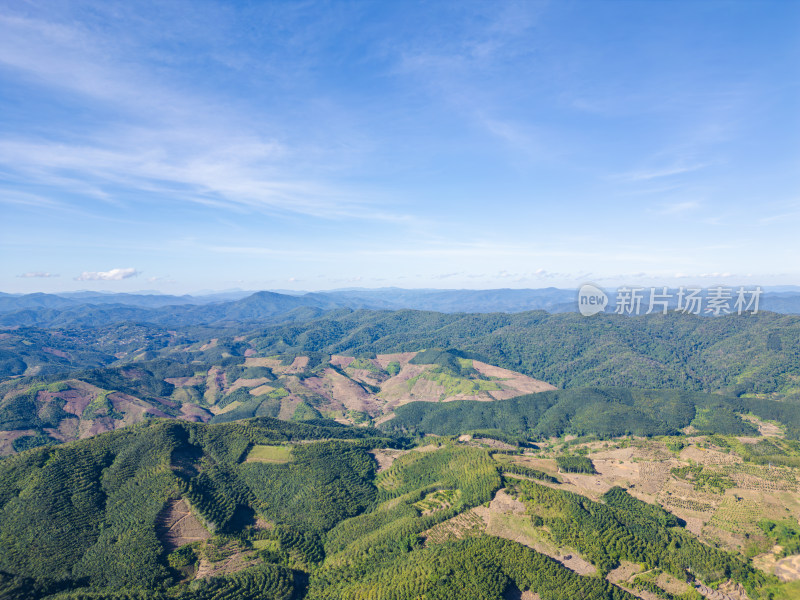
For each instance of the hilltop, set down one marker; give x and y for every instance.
(91, 309)
(347, 389)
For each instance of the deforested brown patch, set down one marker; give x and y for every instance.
(177, 526)
(341, 361)
(386, 456)
(517, 382)
(248, 383)
(224, 560)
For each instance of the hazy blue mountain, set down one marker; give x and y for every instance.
(449, 301)
(261, 307)
(92, 309)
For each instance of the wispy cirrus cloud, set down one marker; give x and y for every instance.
(158, 140)
(679, 208)
(112, 275)
(38, 274)
(660, 172)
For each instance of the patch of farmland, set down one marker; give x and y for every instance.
(466, 524)
(764, 477)
(438, 500)
(737, 515)
(708, 457)
(270, 454)
(654, 475)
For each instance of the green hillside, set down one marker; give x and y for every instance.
(605, 413)
(752, 354)
(735, 354)
(266, 509)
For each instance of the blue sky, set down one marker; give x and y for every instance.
(179, 146)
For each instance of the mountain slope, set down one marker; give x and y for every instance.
(272, 511)
(47, 410)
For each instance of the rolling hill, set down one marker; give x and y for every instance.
(36, 411)
(270, 510)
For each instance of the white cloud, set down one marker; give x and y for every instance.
(677, 208)
(38, 274)
(656, 173)
(112, 275)
(163, 141)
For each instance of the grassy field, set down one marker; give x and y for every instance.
(271, 454)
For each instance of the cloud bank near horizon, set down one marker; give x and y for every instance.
(112, 275)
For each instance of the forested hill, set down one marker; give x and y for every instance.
(52, 408)
(102, 309)
(269, 510)
(735, 354)
(605, 413)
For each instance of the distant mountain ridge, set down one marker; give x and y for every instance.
(94, 309)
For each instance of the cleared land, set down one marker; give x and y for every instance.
(270, 454)
(704, 480)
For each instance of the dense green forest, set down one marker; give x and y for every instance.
(758, 353)
(305, 512)
(601, 412)
(752, 354)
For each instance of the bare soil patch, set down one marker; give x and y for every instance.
(194, 413)
(248, 383)
(343, 393)
(505, 517)
(299, 364)
(516, 382)
(614, 454)
(79, 398)
(262, 361)
(208, 345)
(383, 360)
(720, 594)
(67, 430)
(7, 439)
(133, 408)
(386, 456)
(764, 428)
(184, 381)
(766, 561)
(788, 569)
(503, 502)
(231, 558)
(624, 572)
(427, 448)
(177, 526)
(341, 361)
(288, 406)
(55, 352)
(89, 428)
(262, 389)
(708, 457)
(215, 384)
